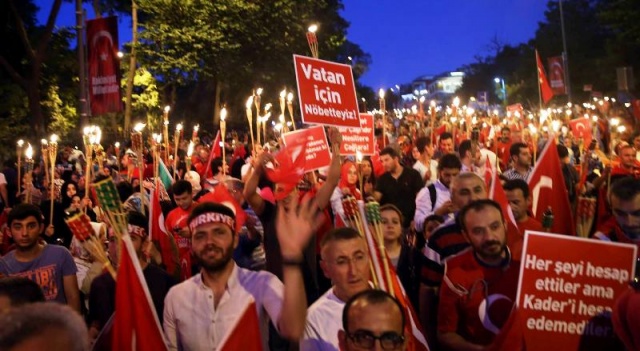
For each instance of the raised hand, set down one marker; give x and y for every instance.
(296, 226)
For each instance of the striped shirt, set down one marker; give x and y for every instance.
(513, 174)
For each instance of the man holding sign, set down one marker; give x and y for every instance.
(479, 286)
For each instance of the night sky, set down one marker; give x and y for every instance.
(410, 38)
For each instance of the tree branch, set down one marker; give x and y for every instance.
(22, 31)
(46, 37)
(17, 78)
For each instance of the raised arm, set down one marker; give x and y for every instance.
(250, 194)
(333, 176)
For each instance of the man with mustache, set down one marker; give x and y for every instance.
(201, 311)
(480, 283)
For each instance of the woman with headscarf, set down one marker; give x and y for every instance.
(348, 185)
(58, 232)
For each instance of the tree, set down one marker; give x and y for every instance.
(35, 42)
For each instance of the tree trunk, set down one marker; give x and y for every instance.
(132, 67)
(36, 115)
(216, 106)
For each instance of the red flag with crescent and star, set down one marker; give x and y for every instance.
(104, 65)
(581, 128)
(545, 88)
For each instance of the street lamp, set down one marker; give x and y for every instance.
(503, 89)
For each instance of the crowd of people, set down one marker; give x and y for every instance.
(284, 241)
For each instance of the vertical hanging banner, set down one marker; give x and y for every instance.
(556, 75)
(358, 138)
(317, 153)
(567, 290)
(104, 65)
(327, 92)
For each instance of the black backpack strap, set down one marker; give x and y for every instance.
(433, 195)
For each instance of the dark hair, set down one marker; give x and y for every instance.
(23, 211)
(514, 150)
(422, 143)
(391, 207)
(464, 147)
(20, 290)
(181, 187)
(138, 219)
(211, 207)
(389, 151)
(562, 151)
(625, 188)
(373, 297)
(339, 234)
(449, 161)
(515, 184)
(215, 164)
(505, 128)
(476, 206)
(446, 135)
(434, 217)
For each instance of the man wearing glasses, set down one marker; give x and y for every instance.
(345, 262)
(372, 320)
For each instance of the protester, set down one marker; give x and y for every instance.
(370, 319)
(18, 291)
(521, 161)
(103, 288)
(435, 199)
(205, 307)
(51, 266)
(397, 185)
(345, 262)
(519, 197)
(348, 185)
(43, 326)
(467, 319)
(425, 164)
(624, 226)
(176, 224)
(445, 145)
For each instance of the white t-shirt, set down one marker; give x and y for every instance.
(3, 179)
(422, 169)
(324, 320)
(192, 323)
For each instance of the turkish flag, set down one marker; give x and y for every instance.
(221, 195)
(216, 151)
(136, 326)
(161, 237)
(104, 65)
(636, 108)
(581, 128)
(545, 89)
(556, 75)
(245, 334)
(549, 191)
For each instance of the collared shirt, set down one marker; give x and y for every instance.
(401, 191)
(324, 320)
(191, 322)
(513, 174)
(424, 207)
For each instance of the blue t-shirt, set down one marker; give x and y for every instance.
(47, 270)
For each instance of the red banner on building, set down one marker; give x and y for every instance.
(104, 65)
(317, 150)
(567, 289)
(556, 75)
(327, 92)
(358, 138)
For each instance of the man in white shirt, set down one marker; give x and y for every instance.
(426, 165)
(202, 311)
(345, 261)
(435, 198)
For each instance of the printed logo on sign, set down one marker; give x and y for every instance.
(326, 92)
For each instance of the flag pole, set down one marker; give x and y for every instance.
(538, 80)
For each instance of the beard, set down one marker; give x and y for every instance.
(211, 264)
(492, 249)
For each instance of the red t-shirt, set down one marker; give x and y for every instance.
(175, 222)
(476, 300)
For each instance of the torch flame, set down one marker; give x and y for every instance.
(249, 102)
(178, 127)
(358, 156)
(283, 93)
(53, 138)
(190, 148)
(456, 101)
(313, 28)
(167, 109)
(139, 127)
(223, 112)
(290, 97)
(267, 107)
(381, 93)
(43, 141)
(29, 152)
(259, 91)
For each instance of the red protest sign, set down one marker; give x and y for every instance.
(567, 289)
(358, 138)
(317, 150)
(327, 92)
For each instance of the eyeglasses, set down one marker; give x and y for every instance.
(365, 339)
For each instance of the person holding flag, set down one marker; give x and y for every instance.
(480, 283)
(226, 307)
(176, 224)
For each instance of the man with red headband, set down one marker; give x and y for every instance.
(288, 172)
(202, 311)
